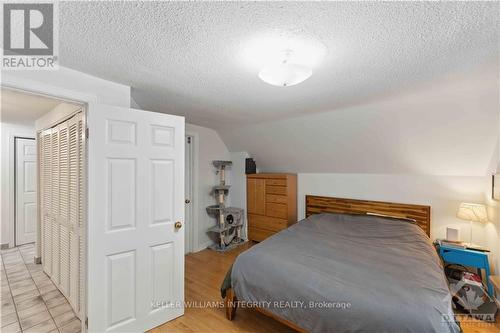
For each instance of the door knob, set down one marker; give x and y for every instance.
(187, 201)
(178, 225)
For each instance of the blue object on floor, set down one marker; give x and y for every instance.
(466, 257)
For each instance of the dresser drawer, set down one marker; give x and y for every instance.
(276, 210)
(259, 235)
(275, 182)
(276, 198)
(271, 203)
(265, 222)
(272, 189)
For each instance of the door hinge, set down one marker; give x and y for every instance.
(87, 322)
(87, 133)
(189, 139)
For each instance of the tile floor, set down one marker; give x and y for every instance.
(30, 301)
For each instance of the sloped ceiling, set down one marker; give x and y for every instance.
(447, 127)
(406, 87)
(187, 58)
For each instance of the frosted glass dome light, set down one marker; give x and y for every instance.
(285, 74)
(282, 58)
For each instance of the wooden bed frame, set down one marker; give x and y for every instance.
(420, 214)
(318, 204)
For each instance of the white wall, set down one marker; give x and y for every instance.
(495, 204)
(442, 193)
(238, 191)
(7, 134)
(208, 147)
(70, 84)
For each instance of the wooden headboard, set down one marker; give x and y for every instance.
(421, 214)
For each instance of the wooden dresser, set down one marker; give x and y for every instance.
(271, 203)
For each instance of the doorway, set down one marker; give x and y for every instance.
(26, 115)
(25, 190)
(189, 194)
(96, 164)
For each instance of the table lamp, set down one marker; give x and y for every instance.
(473, 213)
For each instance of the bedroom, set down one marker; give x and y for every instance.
(395, 105)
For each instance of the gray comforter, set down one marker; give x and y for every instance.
(346, 273)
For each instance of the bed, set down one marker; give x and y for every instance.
(350, 266)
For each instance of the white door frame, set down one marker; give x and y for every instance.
(193, 231)
(15, 185)
(36, 88)
(188, 218)
(51, 91)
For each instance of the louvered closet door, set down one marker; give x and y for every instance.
(62, 169)
(46, 195)
(76, 217)
(63, 218)
(55, 206)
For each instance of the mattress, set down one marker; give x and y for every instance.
(348, 273)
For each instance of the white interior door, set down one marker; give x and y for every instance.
(26, 211)
(135, 197)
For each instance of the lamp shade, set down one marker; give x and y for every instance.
(472, 212)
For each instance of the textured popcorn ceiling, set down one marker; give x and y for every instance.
(186, 58)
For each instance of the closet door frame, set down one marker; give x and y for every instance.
(64, 94)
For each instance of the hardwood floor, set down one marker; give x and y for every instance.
(205, 271)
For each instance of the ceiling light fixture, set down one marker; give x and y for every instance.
(282, 58)
(286, 73)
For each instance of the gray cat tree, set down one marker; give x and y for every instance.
(229, 219)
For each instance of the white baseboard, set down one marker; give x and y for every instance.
(203, 246)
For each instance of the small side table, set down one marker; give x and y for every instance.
(466, 257)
